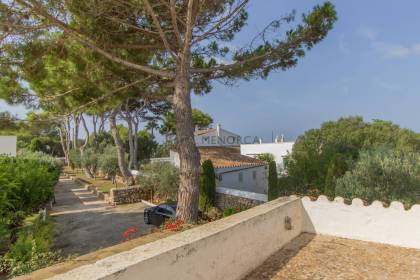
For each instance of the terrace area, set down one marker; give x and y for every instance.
(310, 256)
(287, 238)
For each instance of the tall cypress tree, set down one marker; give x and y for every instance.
(272, 180)
(207, 196)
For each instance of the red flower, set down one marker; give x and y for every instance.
(128, 232)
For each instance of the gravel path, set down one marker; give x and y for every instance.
(85, 224)
(310, 257)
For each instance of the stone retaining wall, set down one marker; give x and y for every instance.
(231, 198)
(127, 195)
(224, 201)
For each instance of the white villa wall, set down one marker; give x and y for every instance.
(278, 150)
(224, 249)
(229, 178)
(392, 225)
(8, 145)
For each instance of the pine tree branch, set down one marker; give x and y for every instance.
(175, 22)
(225, 20)
(159, 28)
(40, 10)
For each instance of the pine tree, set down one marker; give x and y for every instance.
(185, 42)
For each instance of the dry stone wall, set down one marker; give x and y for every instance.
(127, 195)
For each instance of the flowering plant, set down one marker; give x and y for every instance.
(173, 225)
(127, 234)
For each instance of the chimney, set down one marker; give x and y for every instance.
(218, 128)
(282, 138)
(260, 140)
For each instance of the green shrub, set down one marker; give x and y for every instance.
(383, 174)
(89, 161)
(207, 186)
(31, 251)
(108, 162)
(162, 178)
(75, 160)
(27, 182)
(48, 145)
(267, 157)
(230, 211)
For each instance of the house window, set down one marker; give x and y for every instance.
(254, 175)
(240, 177)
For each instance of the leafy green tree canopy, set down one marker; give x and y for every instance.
(339, 143)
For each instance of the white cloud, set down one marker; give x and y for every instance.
(385, 85)
(401, 51)
(387, 49)
(368, 33)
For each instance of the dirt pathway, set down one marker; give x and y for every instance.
(85, 224)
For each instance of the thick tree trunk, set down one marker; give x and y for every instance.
(76, 119)
(136, 146)
(130, 140)
(86, 169)
(187, 208)
(122, 163)
(64, 146)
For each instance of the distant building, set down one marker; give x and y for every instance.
(233, 170)
(216, 137)
(8, 145)
(278, 149)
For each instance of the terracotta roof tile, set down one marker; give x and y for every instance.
(223, 157)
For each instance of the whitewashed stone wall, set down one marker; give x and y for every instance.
(393, 225)
(221, 250)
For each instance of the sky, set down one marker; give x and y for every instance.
(367, 66)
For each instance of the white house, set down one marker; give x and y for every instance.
(278, 149)
(233, 170)
(8, 145)
(216, 137)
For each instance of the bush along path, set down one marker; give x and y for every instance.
(27, 185)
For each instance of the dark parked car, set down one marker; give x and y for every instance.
(158, 214)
